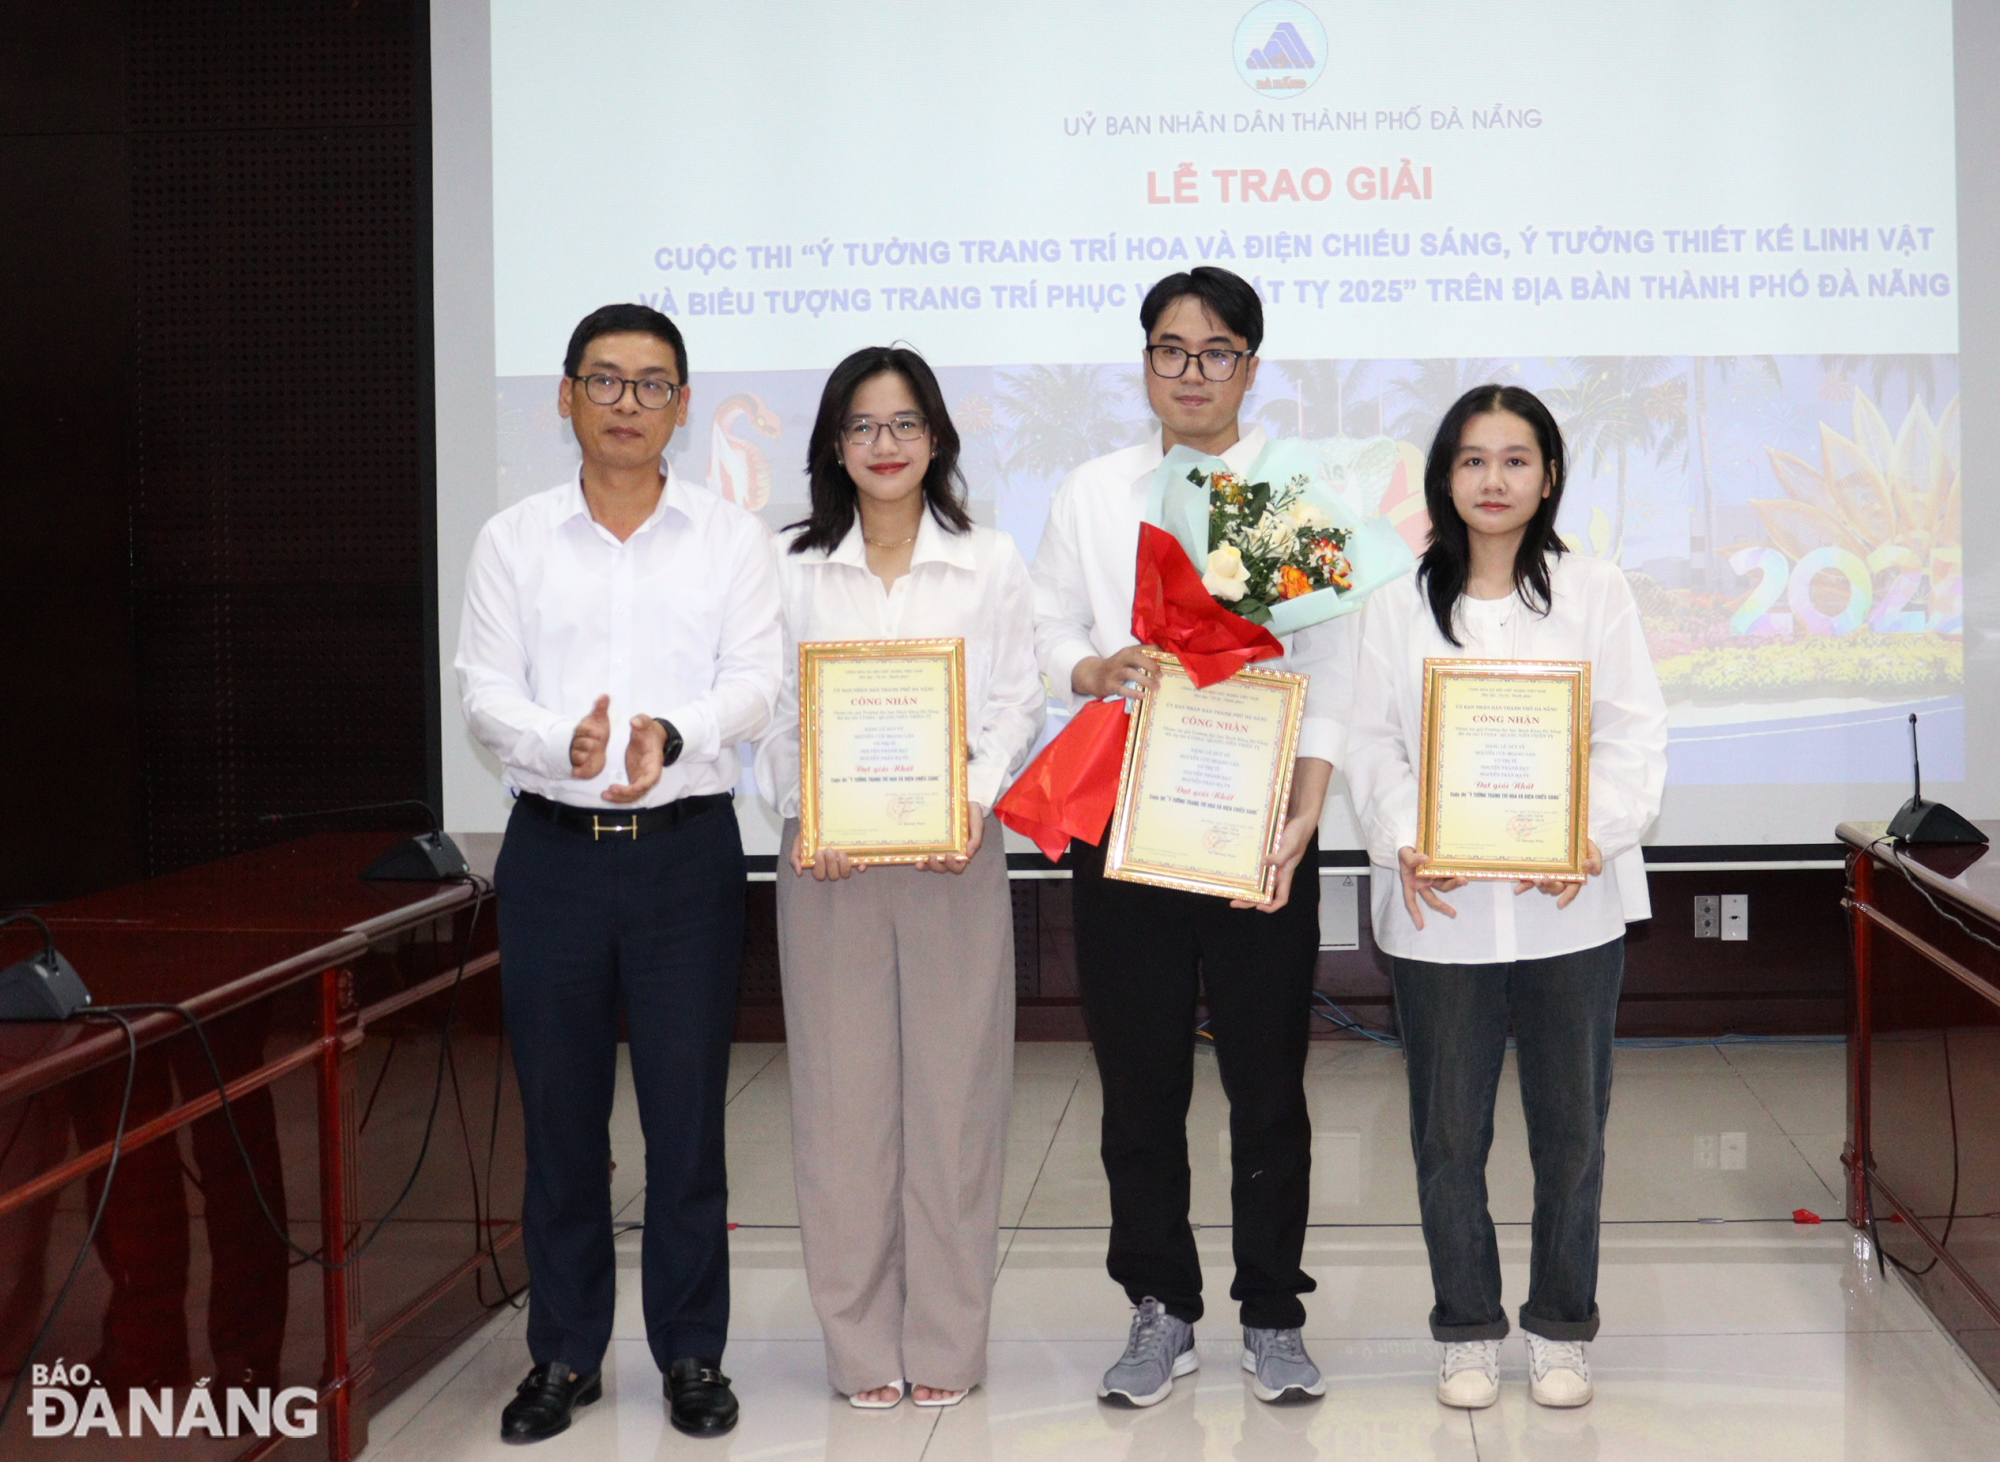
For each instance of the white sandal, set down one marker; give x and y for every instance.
(859, 1405)
(951, 1400)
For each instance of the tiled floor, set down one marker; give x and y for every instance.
(1729, 1331)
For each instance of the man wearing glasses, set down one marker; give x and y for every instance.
(620, 637)
(1143, 953)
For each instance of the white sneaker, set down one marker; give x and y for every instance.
(1469, 1373)
(1558, 1375)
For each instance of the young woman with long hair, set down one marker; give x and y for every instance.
(1496, 583)
(899, 982)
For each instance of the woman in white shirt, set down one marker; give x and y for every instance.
(1496, 584)
(899, 982)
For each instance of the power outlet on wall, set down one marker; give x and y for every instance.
(1707, 916)
(1736, 916)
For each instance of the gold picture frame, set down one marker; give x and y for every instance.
(882, 750)
(1206, 781)
(1503, 788)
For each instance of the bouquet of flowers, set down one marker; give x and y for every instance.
(1277, 560)
(1267, 546)
(1277, 545)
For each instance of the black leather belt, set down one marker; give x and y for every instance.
(628, 822)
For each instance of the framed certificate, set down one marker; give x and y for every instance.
(1504, 789)
(1207, 776)
(882, 749)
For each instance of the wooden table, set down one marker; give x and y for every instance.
(1923, 1054)
(323, 997)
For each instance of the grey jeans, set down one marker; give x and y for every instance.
(1454, 1021)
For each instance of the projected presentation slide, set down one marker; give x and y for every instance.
(1718, 239)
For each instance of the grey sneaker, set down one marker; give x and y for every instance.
(1158, 1349)
(1280, 1370)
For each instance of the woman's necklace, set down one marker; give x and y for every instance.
(878, 543)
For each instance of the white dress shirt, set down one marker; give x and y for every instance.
(1591, 617)
(1087, 568)
(680, 621)
(971, 586)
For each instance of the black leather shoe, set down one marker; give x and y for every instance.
(542, 1404)
(699, 1401)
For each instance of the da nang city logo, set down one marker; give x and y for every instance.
(1280, 48)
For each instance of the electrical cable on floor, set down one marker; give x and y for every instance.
(1339, 1019)
(508, 1296)
(1951, 1208)
(1335, 1016)
(97, 1218)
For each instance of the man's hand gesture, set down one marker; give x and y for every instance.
(588, 741)
(645, 755)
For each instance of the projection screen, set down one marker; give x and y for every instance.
(1723, 240)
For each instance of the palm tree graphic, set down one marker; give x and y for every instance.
(1328, 400)
(1431, 387)
(1618, 405)
(1702, 531)
(1063, 415)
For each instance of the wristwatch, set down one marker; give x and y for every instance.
(672, 753)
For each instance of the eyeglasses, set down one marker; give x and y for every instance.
(861, 430)
(650, 391)
(1171, 362)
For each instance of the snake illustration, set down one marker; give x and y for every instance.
(737, 467)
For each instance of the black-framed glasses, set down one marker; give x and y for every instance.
(861, 431)
(651, 392)
(1171, 362)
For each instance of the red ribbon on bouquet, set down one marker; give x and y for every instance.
(1070, 789)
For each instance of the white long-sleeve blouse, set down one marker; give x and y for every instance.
(1592, 617)
(971, 586)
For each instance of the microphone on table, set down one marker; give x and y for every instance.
(431, 857)
(1920, 822)
(41, 987)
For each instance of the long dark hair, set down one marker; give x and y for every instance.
(833, 491)
(1447, 563)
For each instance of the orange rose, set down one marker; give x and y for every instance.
(1292, 583)
(1333, 563)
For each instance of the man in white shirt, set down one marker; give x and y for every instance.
(1143, 953)
(620, 637)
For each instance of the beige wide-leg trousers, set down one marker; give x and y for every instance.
(899, 1020)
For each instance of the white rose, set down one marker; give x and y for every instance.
(1226, 577)
(1305, 517)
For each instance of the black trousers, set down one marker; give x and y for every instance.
(1142, 955)
(654, 924)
